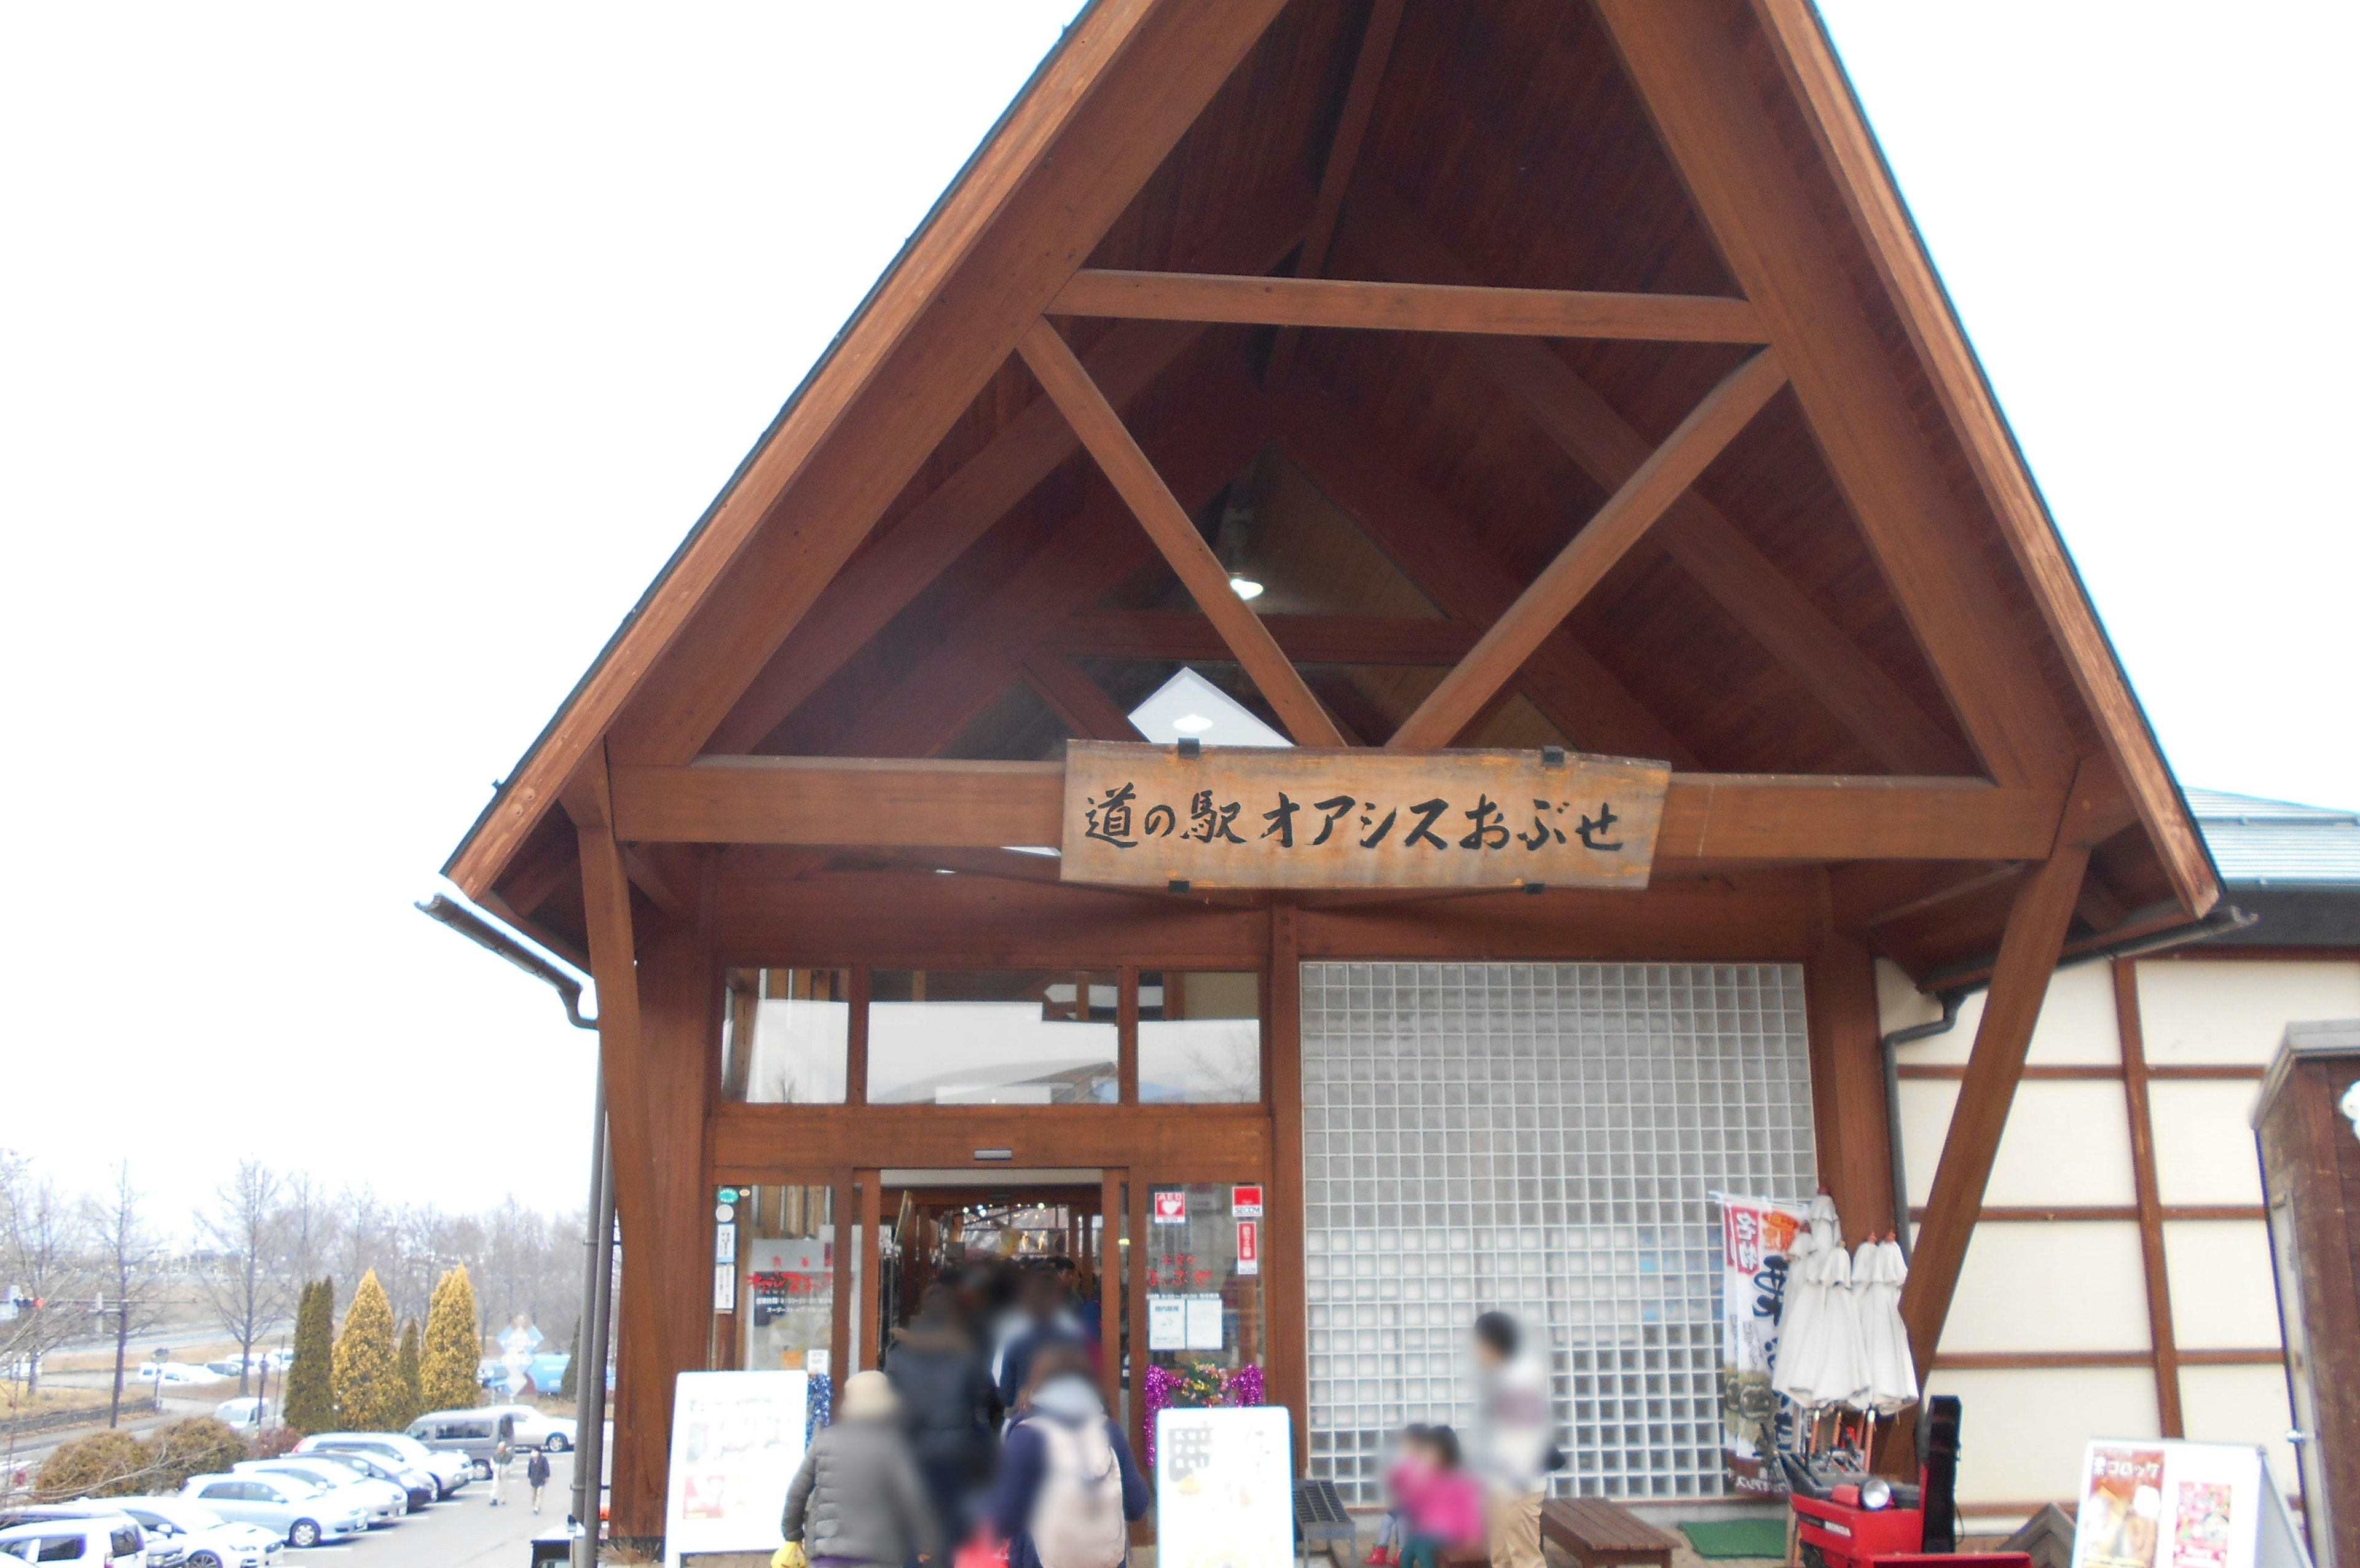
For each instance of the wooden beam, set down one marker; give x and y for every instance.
(866, 1333)
(1305, 639)
(1840, 1009)
(881, 581)
(1110, 1272)
(2029, 946)
(1440, 554)
(1282, 1231)
(841, 1208)
(1405, 307)
(851, 801)
(1122, 86)
(1712, 121)
(1801, 47)
(1174, 533)
(1076, 699)
(1813, 650)
(1565, 582)
(1343, 154)
(2161, 1333)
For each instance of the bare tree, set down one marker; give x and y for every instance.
(131, 1264)
(42, 1265)
(308, 1221)
(243, 1282)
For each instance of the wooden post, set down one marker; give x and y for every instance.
(1135, 1281)
(856, 1038)
(1110, 1287)
(2160, 1333)
(2028, 956)
(869, 1334)
(1282, 1225)
(1848, 1108)
(1126, 1071)
(839, 1316)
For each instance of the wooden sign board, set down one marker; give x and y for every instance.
(1141, 816)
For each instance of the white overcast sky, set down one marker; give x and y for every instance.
(360, 365)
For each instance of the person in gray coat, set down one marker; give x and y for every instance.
(857, 1502)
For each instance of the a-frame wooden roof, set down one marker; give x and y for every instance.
(1749, 497)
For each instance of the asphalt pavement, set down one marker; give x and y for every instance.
(465, 1532)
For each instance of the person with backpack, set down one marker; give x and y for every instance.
(856, 1499)
(1068, 1488)
(536, 1475)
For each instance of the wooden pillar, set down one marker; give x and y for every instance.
(1288, 1370)
(1135, 1282)
(1111, 1253)
(658, 1010)
(1848, 1109)
(2160, 1333)
(866, 1333)
(1126, 1034)
(2037, 921)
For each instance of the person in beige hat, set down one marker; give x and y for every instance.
(857, 1502)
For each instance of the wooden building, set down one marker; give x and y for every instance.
(1567, 376)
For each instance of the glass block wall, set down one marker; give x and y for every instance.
(1541, 1138)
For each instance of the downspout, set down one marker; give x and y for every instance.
(598, 1267)
(2228, 918)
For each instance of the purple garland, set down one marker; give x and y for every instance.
(1241, 1387)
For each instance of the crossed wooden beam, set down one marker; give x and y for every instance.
(1634, 506)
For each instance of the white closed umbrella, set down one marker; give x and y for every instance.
(1892, 1376)
(1799, 1323)
(1839, 1370)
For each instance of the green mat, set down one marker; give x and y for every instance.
(1738, 1538)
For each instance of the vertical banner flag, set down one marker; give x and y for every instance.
(1754, 1236)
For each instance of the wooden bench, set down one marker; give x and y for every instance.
(1600, 1534)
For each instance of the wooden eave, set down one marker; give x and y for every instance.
(893, 571)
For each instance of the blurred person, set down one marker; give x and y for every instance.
(1393, 1528)
(536, 1475)
(1442, 1505)
(501, 1454)
(856, 1499)
(1049, 1321)
(1514, 1448)
(947, 1403)
(1068, 1488)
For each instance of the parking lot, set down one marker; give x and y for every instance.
(465, 1531)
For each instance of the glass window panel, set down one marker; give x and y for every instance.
(1200, 1036)
(786, 1294)
(784, 1035)
(991, 1036)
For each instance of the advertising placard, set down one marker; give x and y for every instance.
(2155, 1503)
(1172, 1205)
(737, 1441)
(1245, 1202)
(1248, 1246)
(1754, 1236)
(1224, 1487)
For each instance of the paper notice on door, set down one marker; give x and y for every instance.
(1204, 1323)
(1167, 1327)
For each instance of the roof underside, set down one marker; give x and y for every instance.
(1404, 477)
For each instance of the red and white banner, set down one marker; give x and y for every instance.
(1250, 1247)
(1171, 1207)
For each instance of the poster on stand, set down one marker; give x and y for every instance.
(737, 1441)
(2155, 1503)
(1224, 1487)
(1754, 1236)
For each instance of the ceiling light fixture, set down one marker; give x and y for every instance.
(1192, 724)
(1245, 588)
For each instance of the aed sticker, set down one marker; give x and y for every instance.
(1245, 1202)
(1248, 1246)
(1171, 1207)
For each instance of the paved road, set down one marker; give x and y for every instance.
(465, 1532)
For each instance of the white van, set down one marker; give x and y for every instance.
(101, 1540)
(476, 1433)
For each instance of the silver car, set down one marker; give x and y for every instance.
(205, 1538)
(296, 1510)
(386, 1503)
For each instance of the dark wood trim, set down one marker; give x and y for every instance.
(2254, 1358)
(1110, 1285)
(1135, 1282)
(2128, 1213)
(2070, 1360)
(1079, 702)
(1306, 639)
(2125, 975)
(1282, 1244)
(1193, 1143)
(1853, 1135)
(2161, 1074)
(2090, 1072)
(1126, 1034)
(856, 1038)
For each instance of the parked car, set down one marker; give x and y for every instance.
(449, 1468)
(419, 1486)
(539, 1429)
(476, 1433)
(203, 1538)
(177, 1372)
(103, 1541)
(299, 1512)
(250, 1413)
(386, 1503)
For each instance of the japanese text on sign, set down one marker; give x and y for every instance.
(1265, 817)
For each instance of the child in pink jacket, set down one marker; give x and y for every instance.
(1440, 1503)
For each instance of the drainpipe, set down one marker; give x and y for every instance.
(598, 1267)
(2228, 918)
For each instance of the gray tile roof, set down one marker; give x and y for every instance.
(2275, 842)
